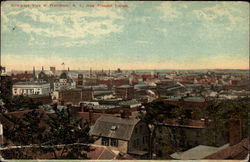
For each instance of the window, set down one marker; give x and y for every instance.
(135, 130)
(114, 142)
(134, 143)
(105, 141)
(140, 128)
(113, 128)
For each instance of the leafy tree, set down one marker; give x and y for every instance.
(16, 103)
(25, 130)
(156, 113)
(222, 111)
(65, 129)
(58, 133)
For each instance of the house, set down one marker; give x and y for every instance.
(122, 134)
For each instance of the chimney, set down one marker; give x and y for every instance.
(234, 131)
(206, 122)
(83, 107)
(91, 113)
(124, 113)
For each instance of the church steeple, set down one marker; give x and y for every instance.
(34, 73)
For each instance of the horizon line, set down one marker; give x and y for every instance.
(134, 69)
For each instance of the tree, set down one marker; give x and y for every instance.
(58, 133)
(19, 102)
(26, 129)
(222, 111)
(66, 130)
(156, 113)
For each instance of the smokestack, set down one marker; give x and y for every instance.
(234, 131)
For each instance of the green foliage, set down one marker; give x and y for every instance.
(59, 133)
(16, 103)
(156, 112)
(220, 112)
(26, 129)
(65, 129)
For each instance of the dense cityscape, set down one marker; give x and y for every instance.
(124, 80)
(124, 114)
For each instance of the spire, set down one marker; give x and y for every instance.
(90, 72)
(42, 68)
(34, 73)
(68, 69)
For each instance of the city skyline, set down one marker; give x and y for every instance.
(143, 35)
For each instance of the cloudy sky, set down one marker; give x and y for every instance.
(144, 35)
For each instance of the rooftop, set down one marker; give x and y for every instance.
(198, 152)
(124, 127)
(30, 83)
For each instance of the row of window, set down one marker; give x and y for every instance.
(112, 142)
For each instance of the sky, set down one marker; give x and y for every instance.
(141, 35)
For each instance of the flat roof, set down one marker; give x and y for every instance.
(30, 83)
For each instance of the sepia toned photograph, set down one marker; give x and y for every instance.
(124, 81)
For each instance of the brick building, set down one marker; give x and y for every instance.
(74, 96)
(125, 92)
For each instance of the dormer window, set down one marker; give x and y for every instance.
(113, 128)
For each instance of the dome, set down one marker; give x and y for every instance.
(63, 76)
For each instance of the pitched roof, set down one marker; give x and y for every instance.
(101, 153)
(123, 127)
(238, 151)
(195, 153)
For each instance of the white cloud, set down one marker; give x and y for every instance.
(75, 25)
(224, 16)
(169, 12)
